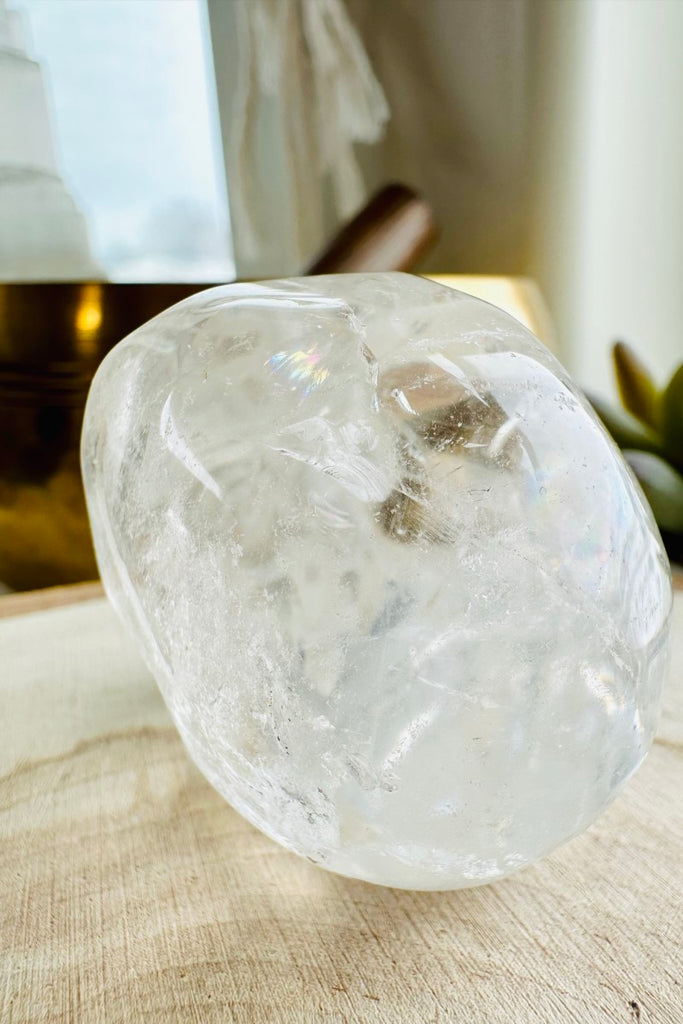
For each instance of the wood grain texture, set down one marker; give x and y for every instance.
(51, 597)
(131, 892)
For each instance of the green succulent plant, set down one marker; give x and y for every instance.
(649, 430)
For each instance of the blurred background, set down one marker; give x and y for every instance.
(152, 147)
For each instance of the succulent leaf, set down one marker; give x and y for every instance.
(637, 390)
(672, 419)
(627, 431)
(662, 486)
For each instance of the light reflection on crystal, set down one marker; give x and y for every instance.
(301, 367)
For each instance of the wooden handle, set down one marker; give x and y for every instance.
(391, 233)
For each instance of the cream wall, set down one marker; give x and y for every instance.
(607, 245)
(458, 78)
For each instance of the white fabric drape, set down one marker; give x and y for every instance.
(304, 96)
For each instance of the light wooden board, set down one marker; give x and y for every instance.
(51, 597)
(130, 892)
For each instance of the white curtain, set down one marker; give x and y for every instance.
(297, 94)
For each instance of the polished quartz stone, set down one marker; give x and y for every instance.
(401, 594)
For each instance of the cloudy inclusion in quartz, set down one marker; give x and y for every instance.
(402, 597)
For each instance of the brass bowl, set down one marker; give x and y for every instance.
(52, 338)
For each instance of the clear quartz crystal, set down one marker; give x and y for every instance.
(401, 594)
